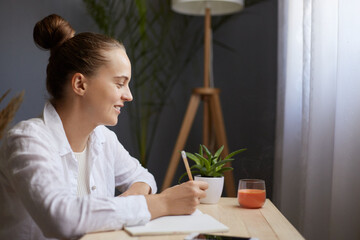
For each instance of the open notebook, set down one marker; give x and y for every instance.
(196, 222)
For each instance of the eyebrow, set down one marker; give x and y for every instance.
(122, 77)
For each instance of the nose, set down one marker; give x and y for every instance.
(127, 96)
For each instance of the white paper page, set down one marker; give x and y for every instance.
(196, 222)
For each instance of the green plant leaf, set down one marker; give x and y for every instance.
(205, 162)
(217, 174)
(234, 153)
(196, 166)
(182, 176)
(208, 153)
(201, 150)
(203, 171)
(194, 158)
(219, 151)
(220, 164)
(225, 169)
(220, 172)
(214, 160)
(185, 174)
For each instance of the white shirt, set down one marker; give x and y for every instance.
(38, 183)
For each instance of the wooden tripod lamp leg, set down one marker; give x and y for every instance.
(180, 142)
(206, 121)
(207, 67)
(220, 133)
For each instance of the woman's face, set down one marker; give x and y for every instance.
(108, 89)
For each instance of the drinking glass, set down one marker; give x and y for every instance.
(251, 193)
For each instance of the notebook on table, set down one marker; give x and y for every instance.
(183, 224)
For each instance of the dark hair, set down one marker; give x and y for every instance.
(69, 53)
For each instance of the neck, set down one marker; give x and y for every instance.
(77, 129)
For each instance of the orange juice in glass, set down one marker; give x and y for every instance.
(251, 193)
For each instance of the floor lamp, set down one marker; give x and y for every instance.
(213, 123)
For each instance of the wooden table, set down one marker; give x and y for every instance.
(264, 223)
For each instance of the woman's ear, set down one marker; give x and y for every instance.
(79, 84)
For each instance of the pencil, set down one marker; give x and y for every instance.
(186, 165)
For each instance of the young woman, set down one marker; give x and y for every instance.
(58, 173)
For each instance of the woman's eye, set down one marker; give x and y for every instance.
(119, 85)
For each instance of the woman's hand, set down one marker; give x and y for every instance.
(177, 200)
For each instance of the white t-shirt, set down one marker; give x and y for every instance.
(83, 173)
(38, 183)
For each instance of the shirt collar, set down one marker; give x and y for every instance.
(53, 122)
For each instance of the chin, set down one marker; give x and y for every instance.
(112, 124)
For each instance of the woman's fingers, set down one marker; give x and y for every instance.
(177, 200)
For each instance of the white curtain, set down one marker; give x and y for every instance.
(317, 162)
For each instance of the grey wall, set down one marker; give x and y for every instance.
(247, 80)
(22, 64)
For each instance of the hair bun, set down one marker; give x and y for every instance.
(52, 31)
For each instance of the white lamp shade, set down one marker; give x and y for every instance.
(217, 7)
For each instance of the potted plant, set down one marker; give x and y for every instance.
(210, 168)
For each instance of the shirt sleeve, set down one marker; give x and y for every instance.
(128, 170)
(37, 177)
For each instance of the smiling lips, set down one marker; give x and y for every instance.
(118, 108)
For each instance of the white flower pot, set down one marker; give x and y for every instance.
(213, 193)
